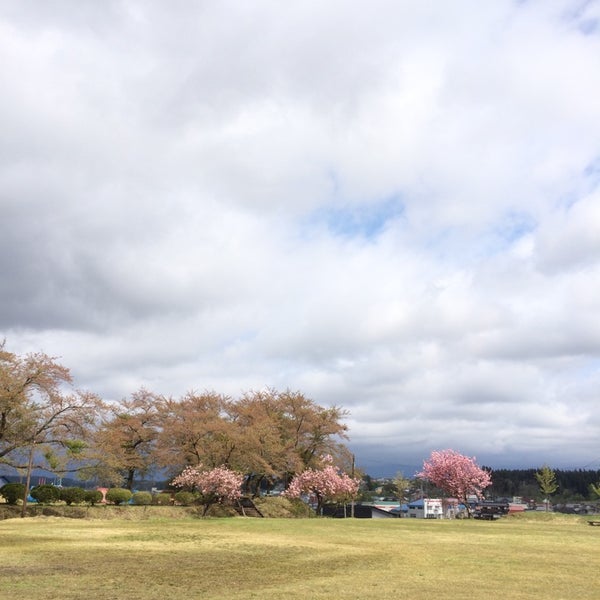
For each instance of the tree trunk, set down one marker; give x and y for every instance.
(130, 476)
(27, 481)
(466, 503)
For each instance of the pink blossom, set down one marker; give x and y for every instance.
(215, 485)
(456, 474)
(326, 484)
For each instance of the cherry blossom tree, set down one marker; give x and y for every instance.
(196, 429)
(456, 474)
(37, 413)
(326, 484)
(125, 440)
(215, 485)
(41, 425)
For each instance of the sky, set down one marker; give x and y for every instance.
(391, 206)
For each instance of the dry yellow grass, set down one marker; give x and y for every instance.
(299, 559)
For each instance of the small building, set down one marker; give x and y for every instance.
(385, 504)
(371, 511)
(360, 511)
(382, 513)
(426, 508)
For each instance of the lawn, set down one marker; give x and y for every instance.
(537, 557)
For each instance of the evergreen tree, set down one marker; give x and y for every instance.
(546, 479)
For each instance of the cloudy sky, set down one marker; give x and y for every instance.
(392, 206)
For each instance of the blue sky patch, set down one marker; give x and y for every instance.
(578, 15)
(366, 220)
(592, 171)
(514, 226)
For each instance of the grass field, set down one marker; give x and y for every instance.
(544, 556)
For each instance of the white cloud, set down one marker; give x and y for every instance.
(570, 237)
(392, 207)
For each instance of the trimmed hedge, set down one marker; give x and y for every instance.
(142, 498)
(12, 492)
(118, 495)
(93, 496)
(72, 495)
(162, 499)
(45, 494)
(186, 498)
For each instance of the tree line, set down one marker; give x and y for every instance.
(268, 435)
(574, 484)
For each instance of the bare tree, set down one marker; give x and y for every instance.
(125, 441)
(40, 416)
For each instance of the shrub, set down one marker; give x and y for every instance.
(93, 496)
(161, 499)
(280, 507)
(118, 495)
(72, 495)
(185, 498)
(142, 498)
(12, 492)
(45, 494)
(301, 509)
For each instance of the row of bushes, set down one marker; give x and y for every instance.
(48, 494)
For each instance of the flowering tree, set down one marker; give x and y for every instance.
(327, 483)
(456, 474)
(215, 485)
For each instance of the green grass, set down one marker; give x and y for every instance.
(543, 556)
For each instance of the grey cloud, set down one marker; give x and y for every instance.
(178, 183)
(571, 238)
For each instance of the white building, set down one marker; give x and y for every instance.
(426, 508)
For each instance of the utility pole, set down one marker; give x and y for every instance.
(352, 503)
